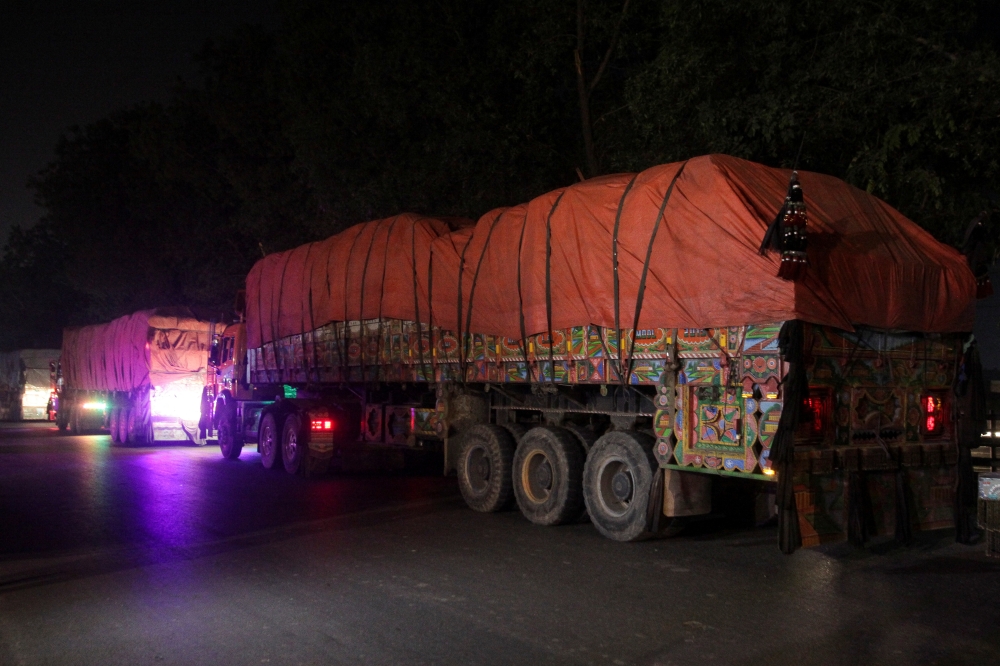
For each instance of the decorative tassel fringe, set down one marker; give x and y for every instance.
(788, 234)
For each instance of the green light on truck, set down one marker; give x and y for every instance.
(290, 391)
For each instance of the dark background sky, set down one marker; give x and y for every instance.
(70, 62)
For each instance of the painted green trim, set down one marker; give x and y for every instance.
(722, 472)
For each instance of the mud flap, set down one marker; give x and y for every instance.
(686, 493)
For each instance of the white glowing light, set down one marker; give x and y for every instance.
(769, 472)
(94, 405)
(181, 401)
(34, 397)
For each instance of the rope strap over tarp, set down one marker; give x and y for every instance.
(645, 271)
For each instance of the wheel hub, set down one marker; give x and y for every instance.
(482, 468)
(543, 475)
(621, 485)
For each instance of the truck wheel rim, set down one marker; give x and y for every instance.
(615, 486)
(478, 469)
(536, 476)
(291, 445)
(267, 442)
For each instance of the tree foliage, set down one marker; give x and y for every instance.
(351, 111)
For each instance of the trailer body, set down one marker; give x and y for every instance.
(142, 376)
(27, 384)
(615, 346)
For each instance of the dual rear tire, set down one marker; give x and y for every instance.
(542, 472)
(548, 476)
(617, 484)
(554, 480)
(127, 426)
(286, 448)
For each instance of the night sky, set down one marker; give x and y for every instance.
(73, 62)
(67, 62)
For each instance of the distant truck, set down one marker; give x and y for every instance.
(612, 347)
(27, 382)
(141, 376)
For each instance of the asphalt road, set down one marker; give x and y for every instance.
(172, 555)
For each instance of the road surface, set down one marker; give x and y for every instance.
(172, 555)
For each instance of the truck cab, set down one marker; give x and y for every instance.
(290, 428)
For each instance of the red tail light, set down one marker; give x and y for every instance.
(933, 415)
(322, 425)
(813, 408)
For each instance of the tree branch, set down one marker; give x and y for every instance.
(611, 47)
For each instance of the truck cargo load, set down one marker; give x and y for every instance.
(141, 375)
(617, 344)
(27, 382)
(871, 266)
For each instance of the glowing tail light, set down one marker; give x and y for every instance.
(814, 408)
(933, 417)
(94, 405)
(322, 425)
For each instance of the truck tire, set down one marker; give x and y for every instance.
(484, 468)
(123, 418)
(548, 476)
(74, 421)
(516, 430)
(136, 426)
(294, 450)
(616, 483)
(269, 442)
(113, 425)
(228, 444)
(586, 436)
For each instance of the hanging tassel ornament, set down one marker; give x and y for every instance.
(787, 233)
(974, 249)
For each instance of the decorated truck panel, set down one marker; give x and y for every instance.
(615, 345)
(141, 375)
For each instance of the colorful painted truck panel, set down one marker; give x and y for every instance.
(877, 404)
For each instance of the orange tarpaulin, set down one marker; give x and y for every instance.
(371, 270)
(553, 257)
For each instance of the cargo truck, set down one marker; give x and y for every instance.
(141, 376)
(612, 347)
(27, 381)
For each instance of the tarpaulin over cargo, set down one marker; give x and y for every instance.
(371, 270)
(551, 262)
(148, 348)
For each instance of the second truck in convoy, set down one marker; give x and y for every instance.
(613, 346)
(142, 376)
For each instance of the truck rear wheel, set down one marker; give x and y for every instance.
(268, 441)
(123, 417)
(74, 421)
(293, 449)
(548, 476)
(616, 483)
(113, 425)
(484, 468)
(230, 448)
(136, 427)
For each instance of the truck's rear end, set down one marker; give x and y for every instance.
(141, 376)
